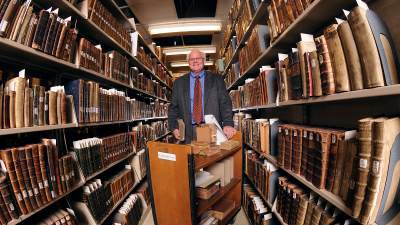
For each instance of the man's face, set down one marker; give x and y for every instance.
(196, 61)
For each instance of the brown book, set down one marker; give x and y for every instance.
(302, 210)
(36, 95)
(38, 173)
(40, 32)
(310, 209)
(294, 75)
(41, 106)
(62, 175)
(50, 167)
(51, 35)
(25, 175)
(20, 38)
(325, 65)
(62, 37)
(284, 86)
(4, 216)
(5, 190)
(32, 174)
(366, 46)
(385, 135)
(281, 145)
(17, 85)
(351, 54)
(321, 157)
(7, 19)
(288, 148)
(6, 156)
(31, 30)
(312, 59)
(306, 44)
(28, 110)
(311, 152)
(350, 155)
(59, 119)
(316, 215)
(52, 108)
(223, 208)
(297, 146)
(326, 218)
(20, 179)
(304, 153)
(43, 164)
(336, 53)
(364, 162)
(2, 108)
(333, 156)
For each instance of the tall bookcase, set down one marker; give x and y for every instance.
(56, 71)
(172, 173)
(339, 110)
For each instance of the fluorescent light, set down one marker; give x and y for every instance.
(186, 64)
(184, 50)
(185, 26)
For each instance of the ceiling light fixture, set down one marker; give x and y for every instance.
(185, 26)
(184, 50)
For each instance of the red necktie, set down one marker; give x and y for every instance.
(197, 103)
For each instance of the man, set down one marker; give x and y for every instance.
(196, 94)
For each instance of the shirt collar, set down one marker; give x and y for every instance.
(202, 74)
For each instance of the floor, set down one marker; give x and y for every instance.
(240, 219)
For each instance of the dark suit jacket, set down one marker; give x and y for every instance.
(216, 102)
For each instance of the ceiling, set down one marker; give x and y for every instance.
(150, 12)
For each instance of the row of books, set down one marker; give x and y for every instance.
(35, 175)
(95, 104)
(233, 14)
(281, 14)
(256, 45)
(61, 216)
(258, 91)
(103, 18)
(101, 196)
(344, 58)
(138, 164)
(262, 174)
(143, 191)
(24, 103)
(147, 132)
(44, 30)
(232, 74)
(148, 85)
(260, 134)
(297, 206)
(93, 154)
(130, 212)
(253, 205)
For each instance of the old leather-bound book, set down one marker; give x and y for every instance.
(306, 44)
(304, 153)
(8, 16)
(52, 107)
(294, 75)
(17, 85)
(6, 156)
(297, 146)
(58, 189)
(351, 54)
(43, 169)
(284, 87)
(288, 147)
(321, 157)
(313, 63)
(50, 23)
(59, 119)
(333, 155)
(63, 33)
(366, 46)
(46, 108)
(310, 208)
(63, 105)
(51, 35)
(41, 106)
(20, 178)
(364, 162)
(4, 216)
(32, 174)
(281, 144)
(350, 155)
(25, 175)
(316, 215)
(39, 36)
(386, 132)
(302, 210)
(36, 96)
(51, 167)
(311, 151)
(10, 204)
(336, 53)
(325, 66)
(28, 108)
(62, 175)
(38, 173)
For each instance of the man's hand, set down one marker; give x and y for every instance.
(176, 134)
(229, 131)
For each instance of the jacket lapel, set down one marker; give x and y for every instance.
(207, 87)
(186, 93)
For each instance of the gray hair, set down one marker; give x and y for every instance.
(203, 55)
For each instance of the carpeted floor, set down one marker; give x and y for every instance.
(240, 219)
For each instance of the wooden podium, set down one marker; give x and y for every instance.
(171, 174)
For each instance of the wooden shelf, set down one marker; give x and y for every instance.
(277, 215)
(25, 217)
(270, 158)
(230, 215)
(35, 129)
(258, 15)
(204, 161)
(345, 96)
(203, 205)
(120, 201)
(310, 21)
(330, 197)
(108, 167)
(121, 121)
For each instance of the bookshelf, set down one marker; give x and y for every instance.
(258, 190)
(173, 166)
(312, 19)
(232, 30)
(259, 15)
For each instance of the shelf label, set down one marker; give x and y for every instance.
(167, 156)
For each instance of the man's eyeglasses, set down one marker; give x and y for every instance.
(195, 59)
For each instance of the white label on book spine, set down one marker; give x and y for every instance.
(3, 25)
(46, 183)
(19, 197)
(333, 139)
(167, 156)
(268, 216)
(40, 185)
(11, 207)
(24, 194)
(30, 192)
(36, 191)
(376, 165)
(363, 163)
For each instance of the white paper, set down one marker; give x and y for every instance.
(210, 119)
